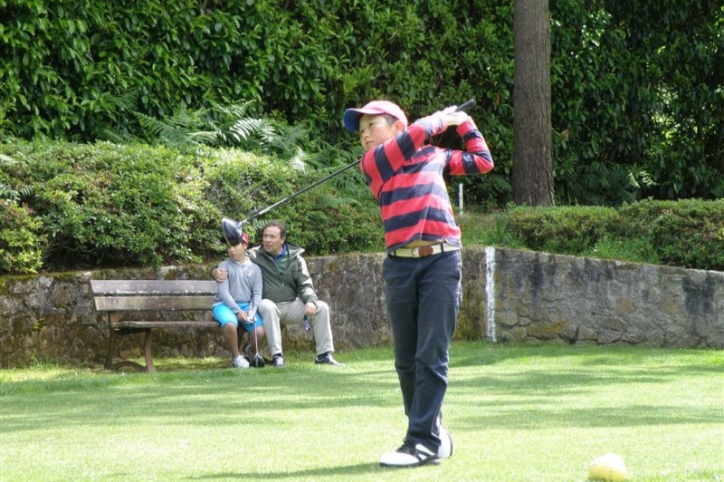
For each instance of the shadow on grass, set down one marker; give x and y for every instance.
(332, 472)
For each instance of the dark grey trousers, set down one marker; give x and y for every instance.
(423, 297)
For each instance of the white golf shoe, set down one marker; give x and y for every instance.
(409, 455)
(240, 362)
(446, 444)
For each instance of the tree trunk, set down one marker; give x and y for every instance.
(532, 158)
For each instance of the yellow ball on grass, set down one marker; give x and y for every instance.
(608, 468)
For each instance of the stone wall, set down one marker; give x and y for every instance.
(584, 300)
(509, 295)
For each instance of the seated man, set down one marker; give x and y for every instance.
(288, 294)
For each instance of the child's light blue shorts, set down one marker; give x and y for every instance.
(224, 315)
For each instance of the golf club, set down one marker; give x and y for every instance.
(257, 361)
(462, 107)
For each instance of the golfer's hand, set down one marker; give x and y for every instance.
(219, 274)
(456, 118)
(450, 117)
(241, 316)
(310, 309)
(250, 317)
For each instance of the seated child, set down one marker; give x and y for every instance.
(238, 296)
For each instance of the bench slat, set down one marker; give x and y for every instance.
(165, 303)
(149, 287)
(165, 324)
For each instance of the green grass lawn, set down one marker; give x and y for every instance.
(516, 413)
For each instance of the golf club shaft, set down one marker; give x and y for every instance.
(256, 342)
(314, 184)
(462, 107)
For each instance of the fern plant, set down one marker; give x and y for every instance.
(235, 128)
(9, 192)
(217, 126)
(14, 194)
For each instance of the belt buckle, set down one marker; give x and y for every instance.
(424, 251)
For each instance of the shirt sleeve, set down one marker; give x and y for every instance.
(223, 293)
(256, 290)
(306, 291)
(476, 159)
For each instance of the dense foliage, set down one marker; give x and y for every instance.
(638, 87)
(72, 206)
(69, 206)
(638, 100)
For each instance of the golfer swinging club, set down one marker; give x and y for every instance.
(422, 271)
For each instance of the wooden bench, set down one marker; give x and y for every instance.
(123, 299)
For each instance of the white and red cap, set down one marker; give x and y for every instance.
(376, 107)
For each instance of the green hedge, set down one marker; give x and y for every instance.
(687, 233)
(21, 239)
(70, 206)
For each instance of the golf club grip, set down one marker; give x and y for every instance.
(465, 106)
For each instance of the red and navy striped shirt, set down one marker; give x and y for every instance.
(406, 177)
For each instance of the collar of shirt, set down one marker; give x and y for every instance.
(283, 252)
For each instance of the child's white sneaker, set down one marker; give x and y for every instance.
(240, 362)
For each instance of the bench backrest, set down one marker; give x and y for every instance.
(135, 295)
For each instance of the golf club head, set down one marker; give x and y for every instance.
(257, 361)
(233, 233)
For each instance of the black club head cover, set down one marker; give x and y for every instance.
(233, 233)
